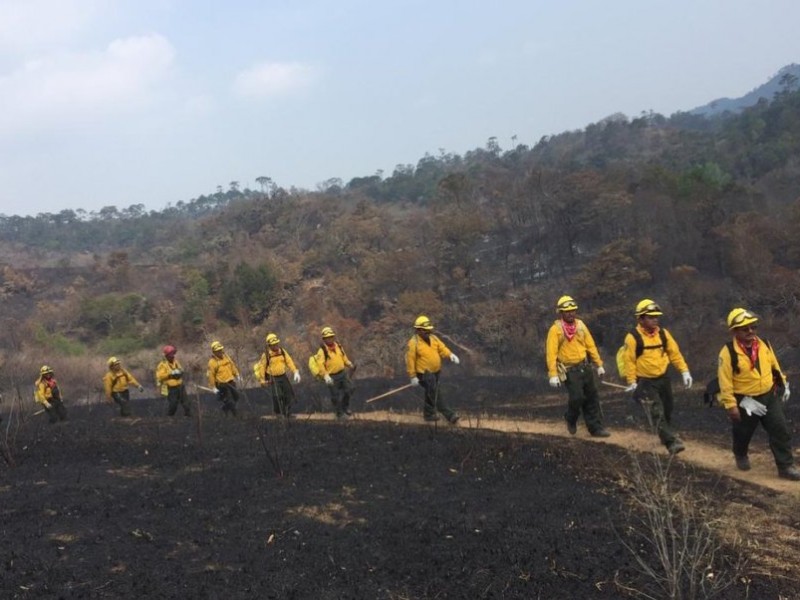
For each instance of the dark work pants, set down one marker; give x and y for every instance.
(282, 393)
(433, 397)
(229, 396)
(57, 410)
(656, 396)
(340, 391)
(583, 398)
(177, 395)
(123, 399)
(774, 423)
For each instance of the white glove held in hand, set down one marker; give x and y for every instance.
(216, 390)
(454, 358)
(786, 393)
(175, 372)
(752, 407)
(555, 382)
(414, 381)
(687, 379)
(631, 387)
(297, 376)
(600, 371)
(328, 380)
(47, 404)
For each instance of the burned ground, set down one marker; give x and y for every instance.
(158, 507)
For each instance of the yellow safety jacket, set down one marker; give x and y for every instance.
(336, 359)
(747, 380)
(569, 352)
(221, 370)
(279, 363)
(163, 375)
(655, 359)
(425, 357)
(118, 381)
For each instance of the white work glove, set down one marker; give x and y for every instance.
(47, 404)
(752, 407)
(631, 387)
(141, 388)
(328, 380)
(600, 371)
(414, 381)
(239, 379)
(555, 382)
(297, 376)
(786, 393)
(687, 379)
(216, 391)
(176, 372)
(454, 358)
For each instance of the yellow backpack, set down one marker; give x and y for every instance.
(621, 362)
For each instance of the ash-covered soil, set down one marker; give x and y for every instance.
(219, 507)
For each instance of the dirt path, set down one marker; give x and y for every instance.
(697, 452)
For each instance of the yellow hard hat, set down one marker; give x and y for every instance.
(566, 304)
(272, 339)
(327, 332)
(648, 307)
(741, 317)
(216, 347)
(113, 361)
(423, 322)
(45, 369)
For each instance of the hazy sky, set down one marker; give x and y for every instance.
(121, 102)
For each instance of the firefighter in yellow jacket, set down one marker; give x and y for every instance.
(48, 394)
(333, 364)
(115, 384)
(272, 371)
(571, 351)
(649, 351)
(169, 372)
(222, 376)
(753, 388)
(424, 354)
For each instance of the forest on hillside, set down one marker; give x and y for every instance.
(701, 214)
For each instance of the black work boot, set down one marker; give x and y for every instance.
(742, 463)
(791, 473)
(675, 447)
(571, 426)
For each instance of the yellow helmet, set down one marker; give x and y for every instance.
(44, 370)
(423, 322)
(216, 347)
(272, 339)
(327, 332)
(648, 307)
(566, 304)
(113, 361)
(741, 317)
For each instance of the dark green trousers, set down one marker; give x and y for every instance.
(177, 395)
(656, 395)
(341, 391)
(57, 411)
(774, 423)
(583, 398)
(282, 393)
(433, 397)
(123, 399)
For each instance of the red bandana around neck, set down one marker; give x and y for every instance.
(569, 329)
(752, 353)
